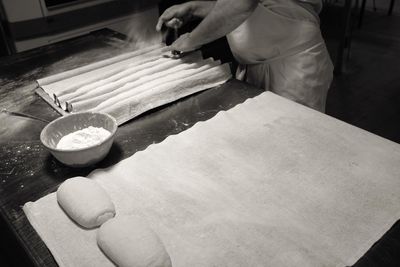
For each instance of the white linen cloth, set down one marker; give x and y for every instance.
(267, 183)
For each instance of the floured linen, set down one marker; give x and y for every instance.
(267, 183)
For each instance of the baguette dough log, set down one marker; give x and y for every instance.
(71, 84)
(85, 201)
(168, 92)
(104, 77)
(155, 83)
(129, 242)
(75, 86)
(96, 65)
(132, 74)
(129, 75)
(93, 101)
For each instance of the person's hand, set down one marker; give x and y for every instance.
(182, 12)
(183, 44)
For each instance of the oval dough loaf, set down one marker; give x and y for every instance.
(129, 242)
(85, 201)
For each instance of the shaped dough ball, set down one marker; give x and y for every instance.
(85, 201)
(129, 242)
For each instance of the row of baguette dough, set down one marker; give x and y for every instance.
(154, 77)
(109, 74)
(142, 78)
(114, 62)
(126, 240)
(136, 75)
(128, 106)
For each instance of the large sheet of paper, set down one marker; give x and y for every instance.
(132, 83)
(267, 183)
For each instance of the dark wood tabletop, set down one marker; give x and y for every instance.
(28, 171)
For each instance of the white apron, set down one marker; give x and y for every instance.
(280, 48)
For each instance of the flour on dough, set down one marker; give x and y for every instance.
(85, 202)
(129, 242)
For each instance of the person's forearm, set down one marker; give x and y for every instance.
(226, 16)
(200, 9)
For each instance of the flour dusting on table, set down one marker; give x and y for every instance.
(83, 138)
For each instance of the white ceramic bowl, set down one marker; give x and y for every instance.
(55, 130)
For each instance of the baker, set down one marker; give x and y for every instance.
(277, 43)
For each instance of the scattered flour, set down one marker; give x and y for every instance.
(83, 138)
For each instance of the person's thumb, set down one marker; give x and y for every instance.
(166, 16)
(174, 23)
(160, 22)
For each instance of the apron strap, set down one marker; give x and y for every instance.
(295, 50)
(242, 68)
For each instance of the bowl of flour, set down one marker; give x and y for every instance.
(80, 139)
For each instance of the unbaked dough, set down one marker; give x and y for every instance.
(130, 74)
(85, 79)
(129, 242)
(108, 91)
(143, 76)
(95, 65)
(85, 202)
(186, 79)
(105, 78)
(155, 83)
(133, 73)
(166, 93)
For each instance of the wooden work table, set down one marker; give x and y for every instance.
(28, 171)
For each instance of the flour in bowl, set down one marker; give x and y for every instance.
(83, 138)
